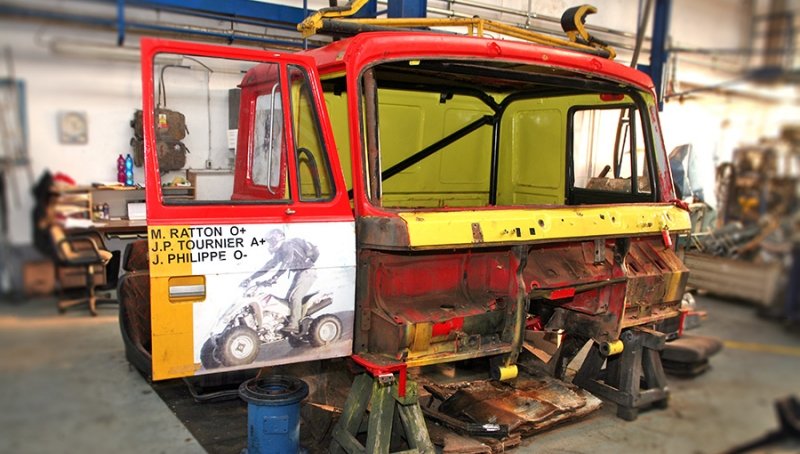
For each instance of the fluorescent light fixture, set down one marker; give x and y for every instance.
(104, 52)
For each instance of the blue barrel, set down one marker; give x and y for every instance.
(273, 413)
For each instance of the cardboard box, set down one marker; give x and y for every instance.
(38, 278)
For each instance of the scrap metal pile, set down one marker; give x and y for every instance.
(488, 416)
(748, 257)
(761, 242)
(744, 262)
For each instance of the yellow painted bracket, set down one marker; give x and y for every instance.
(573, 22)
(313, 23)
(475, 26)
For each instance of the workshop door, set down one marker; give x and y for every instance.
(258, 269)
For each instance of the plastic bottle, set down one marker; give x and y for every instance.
(121, 170)
(106, 214)
(129, 170)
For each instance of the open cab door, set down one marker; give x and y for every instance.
(257, 268)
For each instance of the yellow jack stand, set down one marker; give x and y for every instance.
(385, 397)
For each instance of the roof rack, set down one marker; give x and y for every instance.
(337, 20)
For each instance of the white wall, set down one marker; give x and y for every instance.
(108, 91)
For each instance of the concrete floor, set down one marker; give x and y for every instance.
(65, 387)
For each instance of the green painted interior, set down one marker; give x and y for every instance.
(532, 164)
(337, 112)
(533, 152)
(457, 175)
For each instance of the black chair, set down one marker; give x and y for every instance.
(85, 251)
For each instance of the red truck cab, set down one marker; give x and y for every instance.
(418, 196)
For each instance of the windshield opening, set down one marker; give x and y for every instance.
(443, 133)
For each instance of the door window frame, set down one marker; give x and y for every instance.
(600, 196)
(159, 213)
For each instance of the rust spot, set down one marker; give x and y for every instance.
(477, 234)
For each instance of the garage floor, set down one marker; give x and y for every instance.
(65, 387)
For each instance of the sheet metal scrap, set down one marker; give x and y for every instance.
(528, 404)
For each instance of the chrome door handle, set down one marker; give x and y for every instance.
(289, 211)
(187, 287)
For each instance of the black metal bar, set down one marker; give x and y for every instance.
(436, 146)
(494, 162)
(348, 28)
(373, 143)
(446, 89)
(632, 148)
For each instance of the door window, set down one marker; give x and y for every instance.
(199, 127)
(313, 170)
(608, 150)
(268, 160)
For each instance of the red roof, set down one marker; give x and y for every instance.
(367, 47)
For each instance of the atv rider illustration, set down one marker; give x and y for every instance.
(298, 256)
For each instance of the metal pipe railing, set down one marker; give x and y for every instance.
(528, 16)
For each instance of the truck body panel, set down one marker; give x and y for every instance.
(456, 186)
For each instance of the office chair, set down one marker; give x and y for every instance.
(88, 252)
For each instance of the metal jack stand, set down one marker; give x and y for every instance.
(387, 399)
(632, 379)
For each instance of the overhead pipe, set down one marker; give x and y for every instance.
(140, 26)
(527, 15)
(231, 9)
(205, 14)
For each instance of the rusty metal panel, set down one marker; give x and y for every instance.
(639, 282)
(532, 402)
(438, 306)
(656, 282)
(426, 307)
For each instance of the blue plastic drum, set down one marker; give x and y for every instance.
(273, 413)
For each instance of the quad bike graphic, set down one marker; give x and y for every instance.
(258, 318)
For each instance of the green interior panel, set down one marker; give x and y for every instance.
(337, 112)
(454, 176)
(532, 155)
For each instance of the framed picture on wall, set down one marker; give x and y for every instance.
(73, 128)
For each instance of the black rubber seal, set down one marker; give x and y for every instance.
(273, 390)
